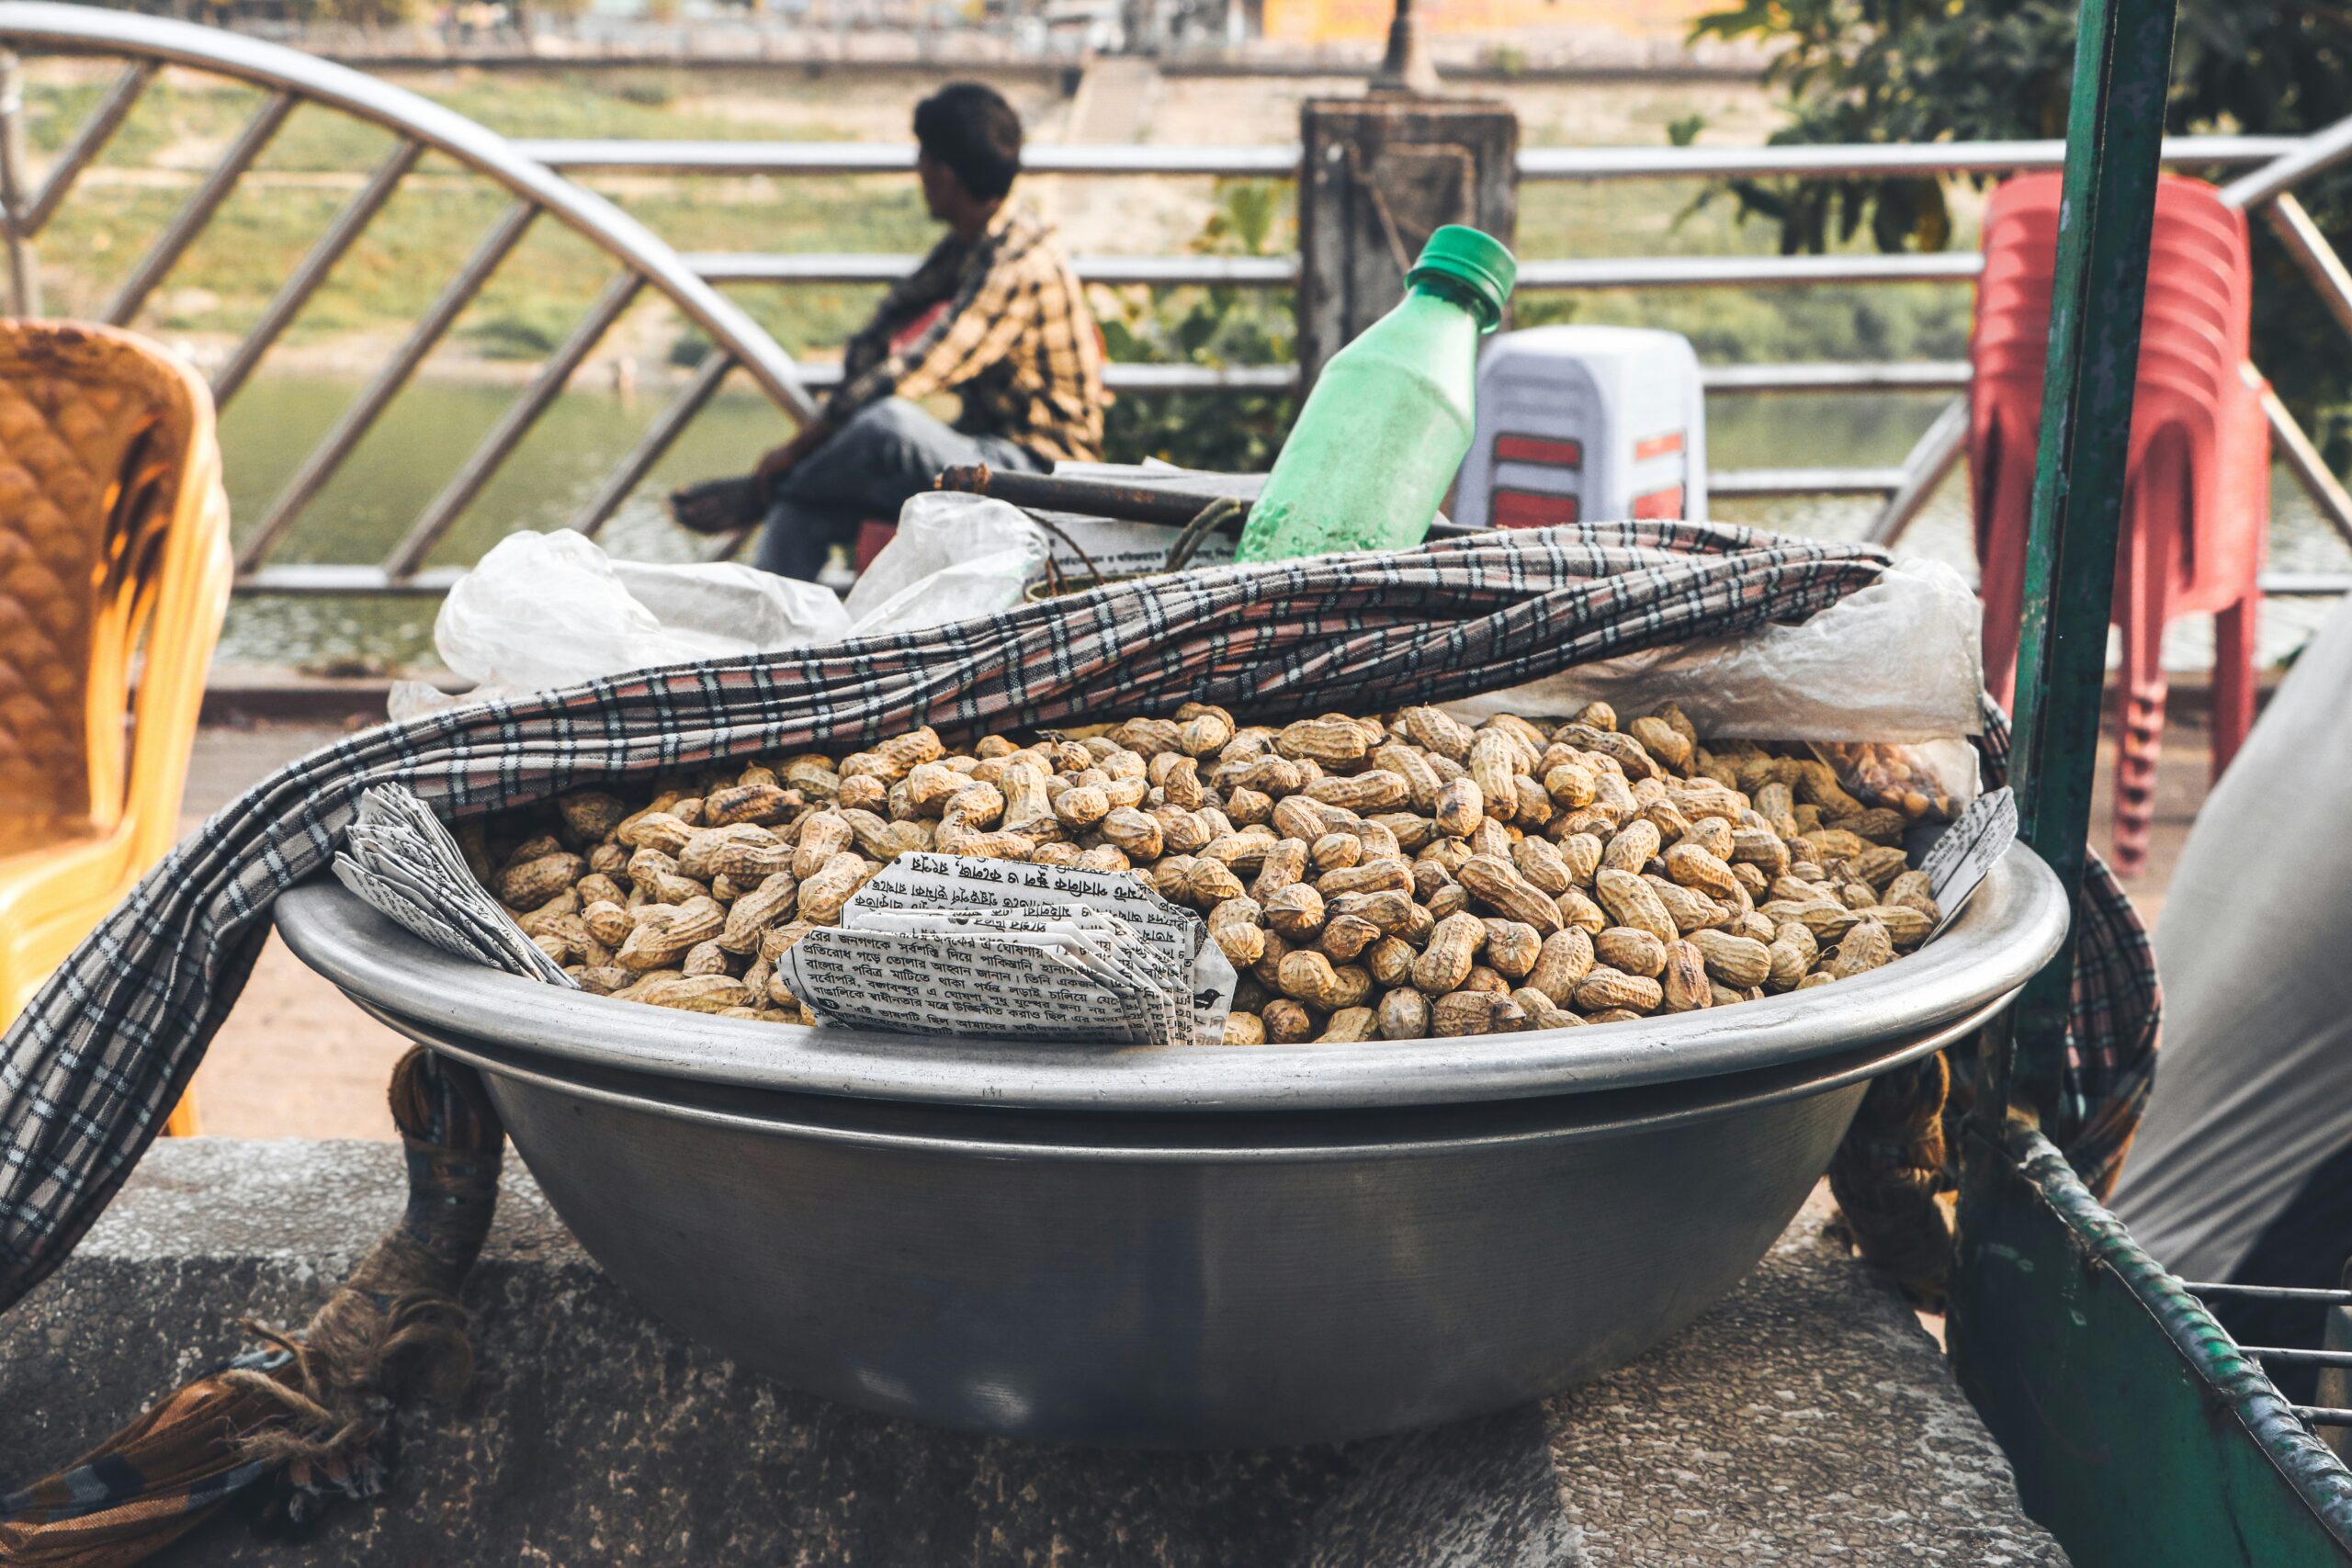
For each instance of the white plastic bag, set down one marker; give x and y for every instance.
(545, 610)
(953, 558)
(1897, 660)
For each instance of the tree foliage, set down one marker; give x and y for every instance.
(1899, 71)
(1214, 327)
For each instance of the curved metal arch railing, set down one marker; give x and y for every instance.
(290, 79)
(537, 175)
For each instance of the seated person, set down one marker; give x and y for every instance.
(1016, 342)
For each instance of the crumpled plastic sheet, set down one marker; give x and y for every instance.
(1900, 661)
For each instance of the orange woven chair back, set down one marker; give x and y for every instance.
(105, 445)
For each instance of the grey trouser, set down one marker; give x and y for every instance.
(889, 451)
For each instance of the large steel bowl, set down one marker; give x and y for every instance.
(1182, 1247)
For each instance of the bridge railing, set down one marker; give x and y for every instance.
(537, 177)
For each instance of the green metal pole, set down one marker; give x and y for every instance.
(2122, 66)
(2139, 1434)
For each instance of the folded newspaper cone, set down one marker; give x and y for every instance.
(399, 857)
(951, 944)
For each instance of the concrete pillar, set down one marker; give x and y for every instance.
(1380, 174)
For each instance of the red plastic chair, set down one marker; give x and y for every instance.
(2197, 495)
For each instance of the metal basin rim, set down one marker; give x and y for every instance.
(1601, 1114)
(2012, 927)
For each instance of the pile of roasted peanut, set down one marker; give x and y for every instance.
(1370, 878)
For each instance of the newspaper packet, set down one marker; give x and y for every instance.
(954, 945)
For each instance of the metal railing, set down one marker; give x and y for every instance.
(536, 174)
(289, 79)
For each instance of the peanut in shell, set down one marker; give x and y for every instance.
(1630, 901)
(666, 933)
(1296, 911)
(1737, 962)
(1496, 884)
(1432, 730)
(1629, 949)
(1349, 1026)
(1453, 948)
(1866, 947)
(1475, 1013)
(819, 897)
(1565, 958)
(1512, 948)
(1238, 928)
(1604, 990)
(772, 902)
(532, 883)
(1403, 1014)
(1695, 867)
(1684, 985)
(1542, 1011)
(1460, 806)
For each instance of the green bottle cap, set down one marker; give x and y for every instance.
(1479, 259)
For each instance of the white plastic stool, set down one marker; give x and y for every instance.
(1586, 422)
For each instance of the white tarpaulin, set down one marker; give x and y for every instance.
(2254, 1090)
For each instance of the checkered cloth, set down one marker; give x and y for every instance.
(156, 1480)
(93, 1066)
(2116, 1012)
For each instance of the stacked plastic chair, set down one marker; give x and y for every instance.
(114, 557)
(2197, 497)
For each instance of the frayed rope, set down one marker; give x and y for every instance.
(308, 1420)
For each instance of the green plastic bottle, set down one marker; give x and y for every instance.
(1389, 422)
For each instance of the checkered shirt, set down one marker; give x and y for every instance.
(1017, 342)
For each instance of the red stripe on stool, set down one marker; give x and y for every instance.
(1531, 509)
(1656, 447)
(1667, 502)
(1539, 449)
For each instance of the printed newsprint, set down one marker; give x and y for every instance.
(399, 857)
(1964, 857)
(949, 944)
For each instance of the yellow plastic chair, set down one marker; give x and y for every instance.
(114, 556)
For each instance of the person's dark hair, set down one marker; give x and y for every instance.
(968, 127)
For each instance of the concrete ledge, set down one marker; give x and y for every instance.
(1808, 1416)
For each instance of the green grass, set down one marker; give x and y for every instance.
(440, 214)
(590, 104)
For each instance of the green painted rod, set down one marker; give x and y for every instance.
(2114, 134)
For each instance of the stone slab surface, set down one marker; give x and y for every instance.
(1807, 1418)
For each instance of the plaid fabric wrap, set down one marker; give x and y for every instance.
(93, 1066)
(2117, 1011)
